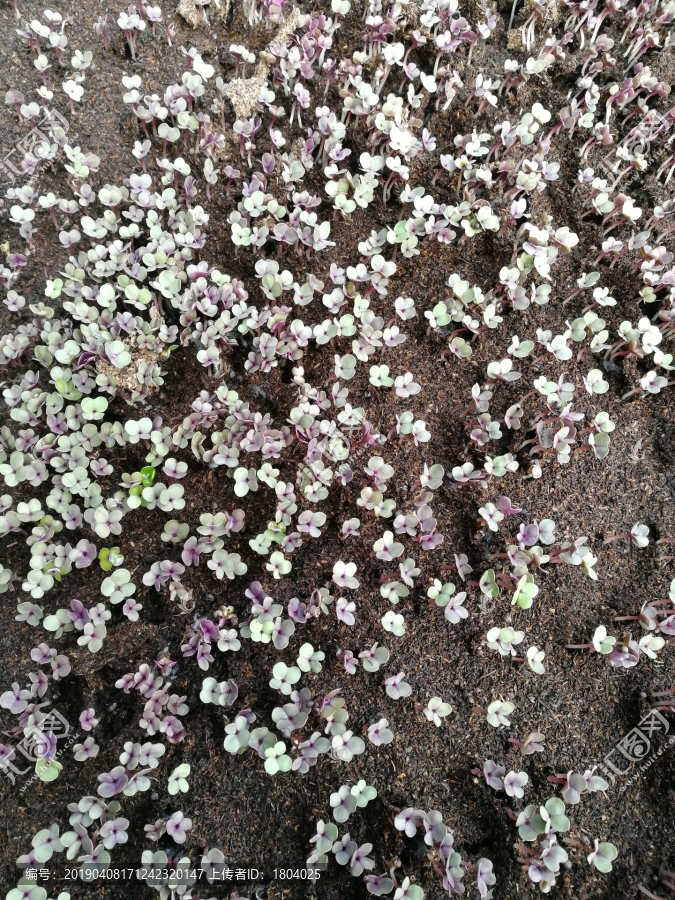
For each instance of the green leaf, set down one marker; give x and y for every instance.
(48, 770)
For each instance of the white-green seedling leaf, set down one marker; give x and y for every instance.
(118, 586)
(364, 793)
(441, 593)
(276, 759)
(374, 658)
(117, 354)
(309, 659)
(408, 891)
(93, 408)
(47, 770)
(498, 712)
(603, 856)
(343, 803)
(394, 623)
(436, 710)
(278, 565)
(535, 660)
(379, 376)
(525, 592)
(504, 640)
(284, 677)
(237, 735)
(602, 642)
(178, 779)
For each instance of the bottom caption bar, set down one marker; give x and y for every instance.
(165, 876)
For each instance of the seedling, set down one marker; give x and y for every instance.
(603, 856)
(436, 710)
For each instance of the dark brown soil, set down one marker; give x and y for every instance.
(582, 704)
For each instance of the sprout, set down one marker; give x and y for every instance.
(343, 803)
(326, 835)
(406, 386)
(405, 308)
(379, 733)
(501, 371)
(244, 481)
(178, 779)
(344, 610)
(343, 575)
(408, 820)
(498, 711)
(374, 658)
(174, 532)
(285, 677)
(493, 774)
(74, 92)
(15, 700)
(237, 734)
(603, 856)
(46, 843)
(626, 654)
(130, 23)
(535, 660)
(344, 849)
(360, 860)
(278, 565)
(350, 527)
(651, 644)
(484, 876)
(595, 383)
(436, 710)
(394, 623)
(397, 687)
(47, 769)
(309, 659)
(346, 746)
(348, 660)
(114, 832)
(109, 557)
(441, 593)
(117, 354)
(387, 548)
(379, 376)
(88, 720)
(408, 891)
(514, 782)
(525, 592)
(550, 817)
(83, 554)
(602, 642)
(222, 694)
(491, 516)
(93, 408)
(228, 565)
(576, 785)
(504, 640)
(118, 586)
(88, 750)
(173, 469)
(178, 826)
(310, 522)
(639, 534)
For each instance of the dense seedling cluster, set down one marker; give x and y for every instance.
(287, 148)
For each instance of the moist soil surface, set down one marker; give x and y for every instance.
(582, 705)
